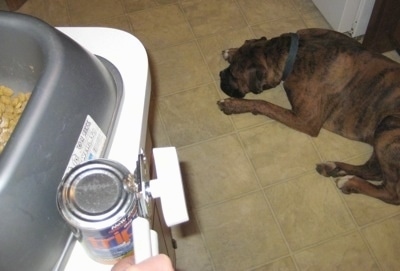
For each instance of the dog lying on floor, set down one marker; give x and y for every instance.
(331, 82)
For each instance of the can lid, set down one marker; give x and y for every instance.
(93, 195)
(96, 193)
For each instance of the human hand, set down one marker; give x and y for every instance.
(160, 262)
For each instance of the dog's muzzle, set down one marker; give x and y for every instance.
(226, 85)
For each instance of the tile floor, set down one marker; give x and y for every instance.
(256, 202)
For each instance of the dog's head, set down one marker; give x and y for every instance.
(248, 70)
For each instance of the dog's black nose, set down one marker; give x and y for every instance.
(227, 88)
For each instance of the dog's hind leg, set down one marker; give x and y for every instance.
(387, 148)
(370, 170)
(387, 191)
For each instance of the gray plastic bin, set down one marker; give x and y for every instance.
(67, 84)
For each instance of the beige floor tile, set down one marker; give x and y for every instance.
(192, 116)
(344, 253)
(333, 147)
(216, 170)
(178, 68)
(241, 233)
(366, 209)
(118, 22)
(212, 16)
(54, 12)
(393, 55)
(384, 239)
(135, 5)
(161, 27)
(191, 253)
(161, 2)
(304, 5)
(309, 210)
(212, 47)
(84, 12)
(285, 264)
(279, 27)
(315, 19)
(278, 152)
(3, 5)
(156, 126)
(260, 11)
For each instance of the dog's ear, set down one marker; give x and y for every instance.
(228, 54)
(257, 79)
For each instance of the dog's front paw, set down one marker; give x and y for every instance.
(225, 106)
(231, 106)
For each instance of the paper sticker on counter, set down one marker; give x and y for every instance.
(89, 145)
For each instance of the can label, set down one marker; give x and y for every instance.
(89, 145)
(110, 245)
(93, 199)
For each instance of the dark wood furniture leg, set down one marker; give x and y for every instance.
(14, 4)
(383, 31)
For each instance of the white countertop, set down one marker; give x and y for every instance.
(127, 53)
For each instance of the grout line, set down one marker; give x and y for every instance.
(126, 17)
(245, 18)
(68, 8)
(365, 240)
(203, 238)
(378, 221)
(183, 90)
(274, 215)
(236, 131)
(321, 157)
(164, 126)
(223, 201)
(322, 242)
(370, 250)
(267, 201)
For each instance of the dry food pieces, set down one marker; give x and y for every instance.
(11, 108)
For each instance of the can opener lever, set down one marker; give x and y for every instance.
(169, 188)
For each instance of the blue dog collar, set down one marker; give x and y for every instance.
(294, 46)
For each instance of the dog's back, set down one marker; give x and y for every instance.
(342, 68)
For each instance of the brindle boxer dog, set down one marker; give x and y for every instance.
(331, 82)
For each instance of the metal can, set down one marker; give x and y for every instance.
(94, 199)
